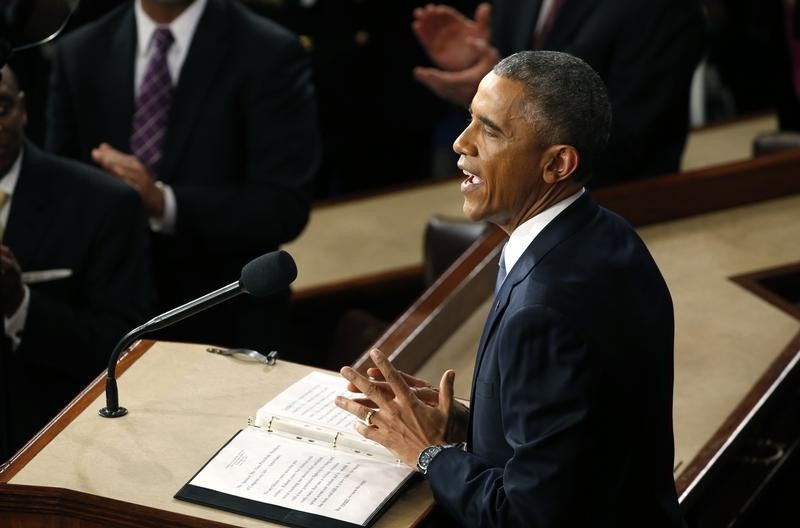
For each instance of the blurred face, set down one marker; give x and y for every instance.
(165, 11)
(500, 157)
(13, 119)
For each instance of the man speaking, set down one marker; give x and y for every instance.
(570, 422)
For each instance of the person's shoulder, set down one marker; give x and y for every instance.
(97, 30)
(74, 178)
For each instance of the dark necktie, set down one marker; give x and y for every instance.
(152, 105)
(501, 271)
(547, 24)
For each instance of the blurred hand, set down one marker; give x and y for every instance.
(11, 291)
(126, 168)
(459, 87)
(448, 37)
(409, 418)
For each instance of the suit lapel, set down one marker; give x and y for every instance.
(568, 21)
(562, 227)
(206, 53)
(118, 85)
(31, 208)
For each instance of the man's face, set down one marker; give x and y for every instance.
(13, 119)
(500, 155)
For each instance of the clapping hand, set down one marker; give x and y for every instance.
(448, 36)
(458, 46)
(127, 168)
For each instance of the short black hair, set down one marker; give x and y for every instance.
(566, 102)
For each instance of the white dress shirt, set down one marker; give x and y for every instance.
(526, 232)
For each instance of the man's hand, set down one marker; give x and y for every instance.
(11, 291)
(405, 423)
(130, 170)
(460, 86)
(427, 393)
(423, 390)
(448, 37)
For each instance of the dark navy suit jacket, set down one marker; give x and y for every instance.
(571, 420)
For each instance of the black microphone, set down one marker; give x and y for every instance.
(260, 277)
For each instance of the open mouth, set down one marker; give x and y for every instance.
(471, 181)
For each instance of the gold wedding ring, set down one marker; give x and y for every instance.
(368, 419)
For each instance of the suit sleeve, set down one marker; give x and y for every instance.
(648, 78)
(115, 295)
(545, 393)
(282, 151)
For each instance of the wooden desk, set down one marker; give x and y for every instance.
(88, 471)
(370, 238)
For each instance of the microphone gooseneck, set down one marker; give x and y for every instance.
(260, 277)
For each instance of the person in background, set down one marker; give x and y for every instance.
(73, 278)
(645, 51)
(207, 110)
(570, 419)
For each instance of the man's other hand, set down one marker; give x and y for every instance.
(130, 170)
(459, 87)
(446, 35)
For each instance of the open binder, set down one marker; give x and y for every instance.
(301, 463)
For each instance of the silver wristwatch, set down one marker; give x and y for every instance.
(426, 455)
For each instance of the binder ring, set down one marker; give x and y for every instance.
(368, 419)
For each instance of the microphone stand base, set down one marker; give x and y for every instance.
(115, 413)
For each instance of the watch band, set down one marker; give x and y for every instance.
(427, 455)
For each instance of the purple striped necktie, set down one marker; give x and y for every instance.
(152, 104)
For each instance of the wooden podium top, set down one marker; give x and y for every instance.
(184, 404)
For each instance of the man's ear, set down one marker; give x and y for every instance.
(561, 161)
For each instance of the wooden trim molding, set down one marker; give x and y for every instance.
(734, 425)
(64, 508)
(756, 283)
(705, 190)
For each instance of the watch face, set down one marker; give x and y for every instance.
(426, 456)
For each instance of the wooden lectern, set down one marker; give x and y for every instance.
(184, 403)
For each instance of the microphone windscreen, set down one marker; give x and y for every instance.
(268, 274)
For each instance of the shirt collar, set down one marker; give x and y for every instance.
(182, 27)
(527, 231)
(9, 180)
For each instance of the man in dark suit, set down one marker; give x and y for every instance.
(224, 171)
(570, 422)
(80, 237)
(645, 51)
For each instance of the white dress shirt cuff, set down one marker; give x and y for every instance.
(15, 324)
(166, 224)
